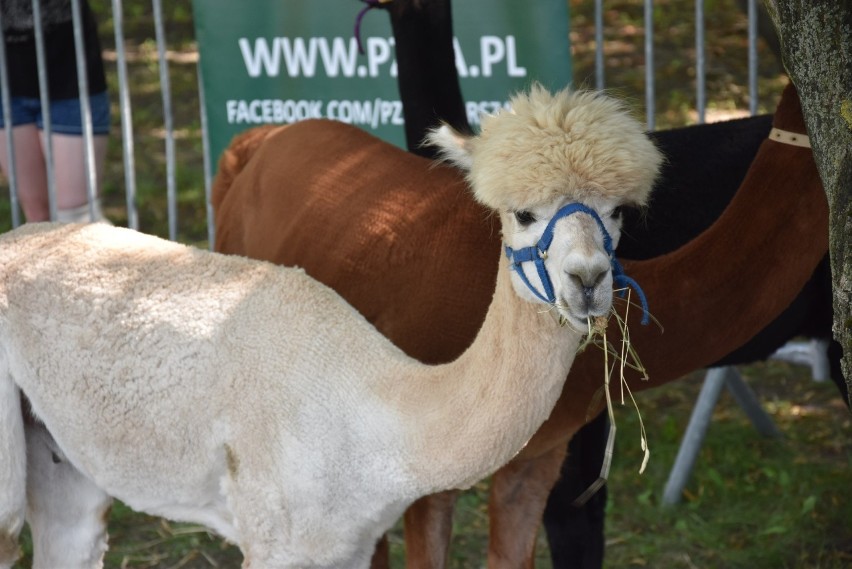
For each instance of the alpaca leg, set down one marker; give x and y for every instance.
(381, 556)
(13, 467)
(519, 494)
(576, 533)
(67, 513)
(428, 530)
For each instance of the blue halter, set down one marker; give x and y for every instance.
(537, 253)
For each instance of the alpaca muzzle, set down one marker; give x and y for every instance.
(537, 254)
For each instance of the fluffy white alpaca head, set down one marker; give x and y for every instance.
(550, 150)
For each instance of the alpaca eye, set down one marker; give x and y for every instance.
(616, 213)
(524, 217)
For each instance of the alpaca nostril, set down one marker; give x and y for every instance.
(587, 281)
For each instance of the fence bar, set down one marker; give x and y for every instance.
(699, 421)
(700, 63)
(750, 404)
(599, 45)
(205, 149)
(172, 201)
(85, 107)
(44, 94)
(165, 86)
(752, 57)
(693, 437)
(8, 128)
(649, 63)
(126, 116)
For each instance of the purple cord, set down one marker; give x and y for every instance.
(370, 4)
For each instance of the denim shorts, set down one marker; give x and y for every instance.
(65, 115)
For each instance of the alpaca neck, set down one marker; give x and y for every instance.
(473, 415)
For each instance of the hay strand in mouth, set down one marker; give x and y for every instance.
(624, 357)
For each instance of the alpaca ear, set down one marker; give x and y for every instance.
(453, 146)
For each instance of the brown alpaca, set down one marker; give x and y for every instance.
(400, 240)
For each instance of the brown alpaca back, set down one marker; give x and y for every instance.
(398, 237)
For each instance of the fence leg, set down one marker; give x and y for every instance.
(749, 403)
(694, 435)
(699, 421)
(812, 353)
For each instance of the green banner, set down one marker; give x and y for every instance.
(281, 61)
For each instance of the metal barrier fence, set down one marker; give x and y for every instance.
(124, 97)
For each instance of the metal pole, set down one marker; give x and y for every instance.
(165, 86)
(205, 147)
(749, 403)
(693, 438)
(700, 419)
(44, 93)
(752, 57)
(85, 106)
(126, 116)
(649, 63)
(7, 122)
(599, 45)
(700, 63)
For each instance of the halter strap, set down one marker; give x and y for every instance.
(537, 254)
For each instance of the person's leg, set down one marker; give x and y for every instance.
(29, 169)
(70, 170)
(69, 156)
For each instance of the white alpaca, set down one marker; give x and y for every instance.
(254, 400)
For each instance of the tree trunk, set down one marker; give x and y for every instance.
(816, 46)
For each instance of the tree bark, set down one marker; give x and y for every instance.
(816, 47)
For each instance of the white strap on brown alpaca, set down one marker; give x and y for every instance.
(787, 137)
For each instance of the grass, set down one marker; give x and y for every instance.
(751, 502)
